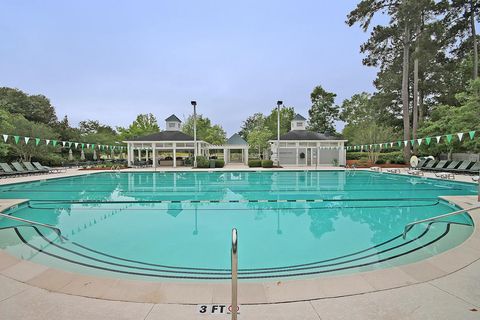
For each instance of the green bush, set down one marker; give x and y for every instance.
(356, 155)
(399, 160)
(254, 163)
(219, 163)
(267, 164)
(202, 162)
(380, 161)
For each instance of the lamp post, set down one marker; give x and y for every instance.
(194, 104)
(279, 103)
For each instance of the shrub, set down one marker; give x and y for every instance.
(400, 160)
(356, 155)
(202, 162)
(254, 163)
(267, 164)
(219, 163)
(380, 161)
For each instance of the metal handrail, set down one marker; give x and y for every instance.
(410, 225)
(234, 255)
(57, 230)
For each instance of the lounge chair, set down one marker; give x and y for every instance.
(50, 170)
(6, 171)
(19, 168)
(31, 168)
(475, 178)
(463, 167)
(429, 165)
(440, 166)
(452, 166)
(420, 164)
(474, 169)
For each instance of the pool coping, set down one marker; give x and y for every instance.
(267, 292)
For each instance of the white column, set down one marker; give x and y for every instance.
(225, 156)
(154, 155)
(297, 155)
(146, 155)
(174, 155)
(139, 154)
(246, 156)
(129, 154)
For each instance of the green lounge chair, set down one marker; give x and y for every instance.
(429, 165)
(440, 165)
(50, 170)
(452, 165)
(463, 167)
(30, 167)
(6, 171)
(19, 168)
(474, 169)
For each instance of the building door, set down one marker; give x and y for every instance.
(309, 156)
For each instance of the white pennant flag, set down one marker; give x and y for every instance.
(391, 144)
(26, 139)
(88, 145)
(64, 143)
(76, 145)
(47, 142)
(460, 136)
(5, 137)
(438, 138)
(405, 142)
(419, 141)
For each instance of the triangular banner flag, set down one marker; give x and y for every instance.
(26, 139)
(64, 143)
(438, 138)
(76, 145)
(449, 138)
(54, 142)
(405, 142)
(471, 134)
(93, 146)
(399, 143)
(391, 144)
(88, 145)
(460, 136)
(37, 141)
(17, 138)
(419, 141)
(5, 137)
(83, 144)
(412, 141)
(428, 140)
(47, 142)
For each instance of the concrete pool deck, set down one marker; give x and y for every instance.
(446, 286)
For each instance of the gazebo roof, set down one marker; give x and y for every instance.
(299, 117)
(236, 140)
(164, 136)
(173, 118)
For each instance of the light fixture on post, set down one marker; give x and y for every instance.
(194, 104)
(279, 103)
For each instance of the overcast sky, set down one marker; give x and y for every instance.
(110, 60)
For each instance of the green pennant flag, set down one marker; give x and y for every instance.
(37, 141)
(428, 140)
(399, 143)
(449, 138)
(54, 143)
(471, 134)
(17, 138)
(93, 146)
(412, 142)
(83, 144)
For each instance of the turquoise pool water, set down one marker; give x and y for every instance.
(165, 225)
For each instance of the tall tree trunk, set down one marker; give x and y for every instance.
(405, 102)
(421, 107)
(415, 90)
(473, 14)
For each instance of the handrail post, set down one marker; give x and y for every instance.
(234, 256)
(55, 229)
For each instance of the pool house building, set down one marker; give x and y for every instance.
(301, 147)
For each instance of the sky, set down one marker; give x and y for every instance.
(111, 60)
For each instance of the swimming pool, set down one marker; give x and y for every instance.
(177, 225)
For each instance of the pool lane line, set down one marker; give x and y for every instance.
(240, 277)
(244, 209)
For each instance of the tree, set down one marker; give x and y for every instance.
(35, 108)
(213, 134)
(253, 122)
(258, 139)
(286, 116)
(144, 124)
(94, 126)
(358, 109)
(323, 111)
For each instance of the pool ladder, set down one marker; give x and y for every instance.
(410, 225)
(57, 230)
(234, 256)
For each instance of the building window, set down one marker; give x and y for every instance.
(171, 125)
(299, 124)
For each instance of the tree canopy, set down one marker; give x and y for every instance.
(213, 134)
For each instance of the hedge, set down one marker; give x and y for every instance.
(267, 164)
(383, 157)
(203, 162)
(254, 163)
(219, 163)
